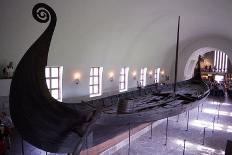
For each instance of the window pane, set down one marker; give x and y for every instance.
(54, 72)
(54, 94)
(91, 89)
(54, 83)
(95, 89)
(122, 79)
(95, 80)
(48, 83)
(47, 73)
(122, 71)
(121, 85)
(91, 71)
(95, 71)
(90, 80)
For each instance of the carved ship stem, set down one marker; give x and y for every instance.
(41, 120)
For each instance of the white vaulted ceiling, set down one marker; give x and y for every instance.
(115, 33)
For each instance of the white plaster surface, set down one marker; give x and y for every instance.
(114, 34)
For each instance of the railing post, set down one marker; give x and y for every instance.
(178, 118)
(187, 121)
(151, 130)
(184, 148)
(213, 124)
(202, 106)
(204, 137)
(166, 138)
(22, 147)
(218, 112)
(129, 138)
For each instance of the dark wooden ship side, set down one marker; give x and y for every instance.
(60, 127)
(152, 106)
(41, 120)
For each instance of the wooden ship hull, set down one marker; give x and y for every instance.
(152, 106)
(59, 127)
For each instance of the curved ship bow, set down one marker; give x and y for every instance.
(41, 120)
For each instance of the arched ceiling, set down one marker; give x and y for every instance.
(128, 27)
(116, 32)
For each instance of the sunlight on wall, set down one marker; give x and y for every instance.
(216, 103)
(203, 149)
(215, 112)
(208, 125)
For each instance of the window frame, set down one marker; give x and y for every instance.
(123, 75)
(95, 84)
(156, 75)
(220, 61)
(143, 76)
(51, 78)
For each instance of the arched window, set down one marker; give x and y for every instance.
(220, 61)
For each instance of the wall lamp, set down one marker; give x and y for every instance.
(162, 72)
(134, 75)
(77, 78)
(111, 76)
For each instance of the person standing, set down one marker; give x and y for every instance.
(6, 120)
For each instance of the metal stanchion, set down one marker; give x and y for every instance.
(204, 137)
(218, 112)
(22, 147)
(151, 130)
(86, 144)
(202, 106)
(187, 121)
(46, 153)
(198, 108)
(178, 118)
(129, 138)
(213, 124)
(166, 138)
(214, 103)
(184, 148)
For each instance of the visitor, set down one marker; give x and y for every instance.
(3, 136)
(6, 121)
(8, 70)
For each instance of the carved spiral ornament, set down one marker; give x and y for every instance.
(42, 13)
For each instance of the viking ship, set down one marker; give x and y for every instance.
(60, 127)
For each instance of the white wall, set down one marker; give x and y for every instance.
(5, 87)
(112, 34)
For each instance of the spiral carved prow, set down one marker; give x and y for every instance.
(43, 13)
(34, 112)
